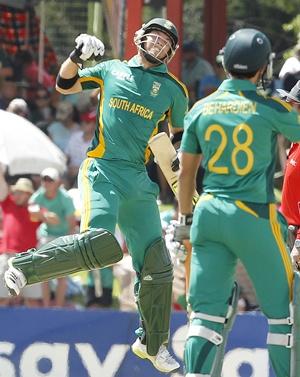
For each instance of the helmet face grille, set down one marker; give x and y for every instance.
(156, 46)
(165, 26)
(157, 43)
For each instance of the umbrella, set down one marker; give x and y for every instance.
(25, 149)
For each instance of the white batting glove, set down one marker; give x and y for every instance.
(295, 255)
(177, 250)
(87, 47)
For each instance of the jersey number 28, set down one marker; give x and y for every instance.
(243, 147)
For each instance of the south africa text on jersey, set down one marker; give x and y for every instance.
(131, 107)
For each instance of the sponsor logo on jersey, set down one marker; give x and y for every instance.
(120, 75)
(155, 88)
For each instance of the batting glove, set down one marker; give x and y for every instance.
(87, 47)
(183, 227)
(295, 255)
(176, 249)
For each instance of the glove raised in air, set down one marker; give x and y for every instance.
(87, 47)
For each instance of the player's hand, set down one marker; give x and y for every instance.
(87, 47)
(177, 250)
(182, 228)
(295, 255)
(51, 218)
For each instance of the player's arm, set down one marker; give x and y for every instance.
(189, 165)
(87, 48)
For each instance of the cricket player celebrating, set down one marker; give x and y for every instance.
(134, 97)
(234, 133)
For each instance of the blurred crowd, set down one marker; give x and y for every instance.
(37, 209)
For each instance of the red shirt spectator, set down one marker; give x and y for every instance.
(290, 203)
(19, 232)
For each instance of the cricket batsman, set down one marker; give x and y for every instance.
(135, 96)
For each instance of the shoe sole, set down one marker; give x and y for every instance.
(143, 355)
(11, 290)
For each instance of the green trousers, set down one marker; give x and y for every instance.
(222, 232)
(119, 192)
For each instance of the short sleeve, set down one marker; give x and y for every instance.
(190, 142)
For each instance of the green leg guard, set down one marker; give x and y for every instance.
(96, 248)
(207, 331)
(230, 317)
(154, 296)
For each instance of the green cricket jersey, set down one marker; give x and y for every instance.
(133, 101)
(236, 130)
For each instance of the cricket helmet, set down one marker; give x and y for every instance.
(246, 51)
(163, 25)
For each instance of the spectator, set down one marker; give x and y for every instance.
(8, 92)
(41, 110)
(78, 145)
(18, 106)
(194, 68)
(27, 69)
(64, 126)
(19, 233)
(6, 66)
(211, 82)
(292, 64)
(51, 196)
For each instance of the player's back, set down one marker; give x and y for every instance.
(236, 130)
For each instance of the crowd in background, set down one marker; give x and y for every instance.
(36, 209)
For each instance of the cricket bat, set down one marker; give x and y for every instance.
(164, 153)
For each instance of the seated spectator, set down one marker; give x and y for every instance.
(194, 68)
(61, 130)
(78, 144)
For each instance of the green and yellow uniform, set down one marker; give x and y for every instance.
(113, 180)
(235, 129)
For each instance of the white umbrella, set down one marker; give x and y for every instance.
(25, 149)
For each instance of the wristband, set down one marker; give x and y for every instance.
(185, 219)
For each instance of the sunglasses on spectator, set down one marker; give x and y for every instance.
(47, 179)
